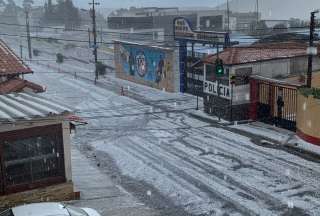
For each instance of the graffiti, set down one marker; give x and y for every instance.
(144, 63)
(141, 63)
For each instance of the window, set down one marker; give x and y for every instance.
(33, 157)
(243, 75)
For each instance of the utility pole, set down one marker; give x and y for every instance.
(228, 14)
(28, 32)
(257, 11)
(311, 50)
(94, 31)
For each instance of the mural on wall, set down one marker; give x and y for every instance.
(144, 63)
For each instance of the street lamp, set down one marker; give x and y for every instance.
(311, 49)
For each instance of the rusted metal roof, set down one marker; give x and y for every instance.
(258, 53)
(10, 63)
(18, 85)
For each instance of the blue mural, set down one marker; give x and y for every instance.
(144, 63)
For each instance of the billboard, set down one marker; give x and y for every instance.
(145, 64)
(183, 31)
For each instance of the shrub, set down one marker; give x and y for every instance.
(60, 58)
(36, 52)
(101, 68)
(69, 46)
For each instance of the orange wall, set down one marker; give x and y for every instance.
(308, 114)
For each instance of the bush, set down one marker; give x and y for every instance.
(52, 40)
(101, 68)
(60, 58)
(36, 52)
(315, 92)
(69, 46)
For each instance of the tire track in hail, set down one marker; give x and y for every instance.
(201, 184)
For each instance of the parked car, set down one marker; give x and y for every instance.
(49, 209)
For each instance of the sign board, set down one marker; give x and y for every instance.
(183, 31)
(214, 88)
(312, 51)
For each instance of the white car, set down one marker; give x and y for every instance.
(49, 209)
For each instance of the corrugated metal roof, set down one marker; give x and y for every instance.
(28, 106)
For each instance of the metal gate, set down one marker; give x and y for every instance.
(275, 103)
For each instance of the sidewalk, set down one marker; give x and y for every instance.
(100, 193)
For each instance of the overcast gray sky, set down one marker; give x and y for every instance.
(271, 9)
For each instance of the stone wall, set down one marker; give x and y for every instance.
(55, 193)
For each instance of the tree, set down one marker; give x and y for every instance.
(72, 17)
(60, 58)
(10, 13)
(63, 13)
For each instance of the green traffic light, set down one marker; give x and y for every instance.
(219, 70)
(219, 67)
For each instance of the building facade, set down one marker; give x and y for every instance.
(35, 150)
(231, 99)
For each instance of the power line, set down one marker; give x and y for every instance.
(149, 34)
(112, 43)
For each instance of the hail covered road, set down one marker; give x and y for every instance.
(151, 146)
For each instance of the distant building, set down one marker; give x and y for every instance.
(214, 20)
(148, 18)
(35, 150)
(274, 23)
(12, 70)
(245, 20)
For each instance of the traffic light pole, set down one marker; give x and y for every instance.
(311, 44)
(94, 30)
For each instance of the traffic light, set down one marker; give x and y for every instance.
(219, 67)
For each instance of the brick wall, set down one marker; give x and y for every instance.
(55, 193)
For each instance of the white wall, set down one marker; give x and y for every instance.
(268, 69)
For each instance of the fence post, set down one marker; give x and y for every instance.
(254, 99)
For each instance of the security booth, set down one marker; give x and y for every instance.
(226, 94)
(35, 150)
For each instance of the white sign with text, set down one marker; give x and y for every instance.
(214, 88)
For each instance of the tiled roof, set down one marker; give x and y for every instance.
(18, 85)
(242, 55)
(28, 106)
(10, 64)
